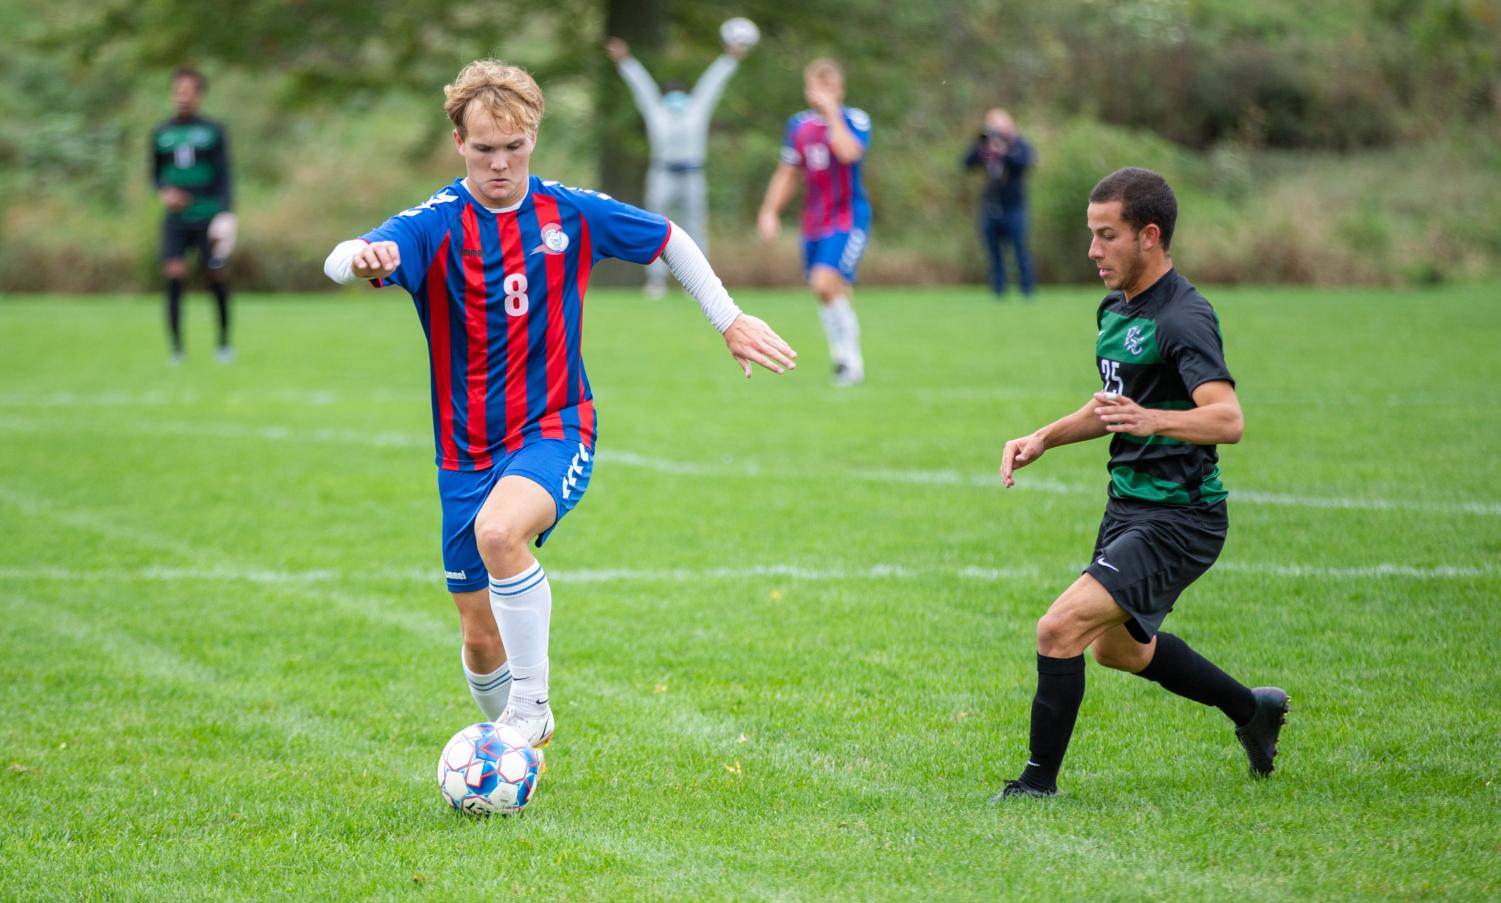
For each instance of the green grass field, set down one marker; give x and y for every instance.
(793, 625)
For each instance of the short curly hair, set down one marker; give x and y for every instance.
(1146, 199)
(509, 93)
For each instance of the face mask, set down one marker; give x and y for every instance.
(676, 101)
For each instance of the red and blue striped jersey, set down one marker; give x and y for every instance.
(835, 199)
(501, 300)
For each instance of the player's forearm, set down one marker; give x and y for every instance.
(775, 194)
(340, 263)
(778, 191)
(643, 87)
(1220, 423)
(689, 266)
(1080, 426)
(711, 84)
(846, 147)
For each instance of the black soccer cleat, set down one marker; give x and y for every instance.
(1017, 788)
(1259, 735)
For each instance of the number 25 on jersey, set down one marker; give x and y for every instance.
(1112, 379)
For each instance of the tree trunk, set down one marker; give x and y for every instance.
(623, 151)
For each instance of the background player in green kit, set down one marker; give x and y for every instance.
(190, 168)
(1168, 399)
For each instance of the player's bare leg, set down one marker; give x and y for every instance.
(484, 655)
(1116, 648)
(517, 511)
(218, 283)
(839, 323)
(174, 271)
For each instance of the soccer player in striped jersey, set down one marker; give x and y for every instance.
(497, 264)
(828, 143)
(1167, 400)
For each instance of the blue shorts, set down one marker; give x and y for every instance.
(560, 467)
(841, 250)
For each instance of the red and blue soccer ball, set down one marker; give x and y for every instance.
(488, 770)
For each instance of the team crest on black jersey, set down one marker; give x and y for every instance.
(554, 240)
(1133, 340)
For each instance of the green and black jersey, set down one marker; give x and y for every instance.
(1156, 349)
(192, 154)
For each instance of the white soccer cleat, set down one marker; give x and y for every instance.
(225, 354)
(536, 729)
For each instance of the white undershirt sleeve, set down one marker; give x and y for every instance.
(691, 268)
(339, 265)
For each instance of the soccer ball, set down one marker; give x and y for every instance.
(739, 32)
(487, 769)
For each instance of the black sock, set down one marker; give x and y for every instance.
(174, 312)
(1060, 689)
(1185, 672)
(221, 295)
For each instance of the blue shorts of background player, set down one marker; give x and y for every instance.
(840, 250)
(562, 468)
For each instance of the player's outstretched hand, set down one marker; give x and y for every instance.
(617, 49)
(1018, 454)
(769, 225)
(1120, 414)
(751, 341)
(376, 260)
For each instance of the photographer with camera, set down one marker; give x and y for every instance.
(1005, 156)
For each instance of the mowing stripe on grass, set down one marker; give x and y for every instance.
(691, 575)
(896, 476)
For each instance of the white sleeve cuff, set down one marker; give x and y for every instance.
(691, 268)
(338, 266)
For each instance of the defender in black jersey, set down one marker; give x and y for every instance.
(190, 168)
(1167, 400)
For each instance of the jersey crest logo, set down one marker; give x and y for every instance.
(1133, 340)
(554, 240)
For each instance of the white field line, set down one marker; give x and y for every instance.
(792, 572)
(151, 398)
(147, 398)
(894, 476)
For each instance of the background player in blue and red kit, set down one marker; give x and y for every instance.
(497, 264)
(828, 143)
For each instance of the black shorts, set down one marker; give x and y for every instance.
(179, 237)
(1147, 554)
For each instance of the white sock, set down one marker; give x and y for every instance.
(833, 328)
(490, 691)
(523, 608)
(849, 333)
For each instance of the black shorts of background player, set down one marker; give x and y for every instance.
(1167, 400)
(190, 169)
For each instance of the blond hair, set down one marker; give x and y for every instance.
(823, 67)
(508, 93)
